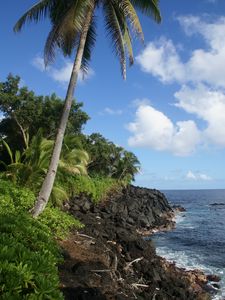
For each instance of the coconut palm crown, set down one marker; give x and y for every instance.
(67, 18)
(73, 27)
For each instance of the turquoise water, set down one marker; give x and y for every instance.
(199, 238)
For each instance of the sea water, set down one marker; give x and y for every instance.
(198, 242)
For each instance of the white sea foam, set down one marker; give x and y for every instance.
(179, 217)
(191, 261)
(182, 221)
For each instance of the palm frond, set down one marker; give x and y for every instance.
(127, 39)
(9, 151)
(89, 45)
(67, 21)
(115, 31)
(17, 156)
(35, 13)
(130, 13)
(63, 34)
(58, 195)
(149, 8)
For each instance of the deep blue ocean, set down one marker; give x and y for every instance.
(199, 238)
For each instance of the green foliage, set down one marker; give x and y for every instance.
(59, 222)
(28, 253)
(28, 259)
(109, 160)
(15, 199)
(29, 168)
(96, 187)
(24, 112)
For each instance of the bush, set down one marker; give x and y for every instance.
(17, 199)
(28, 252)
(28, 259)
(59, 222)
(96, 187)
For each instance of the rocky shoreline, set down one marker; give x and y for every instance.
(110, 259)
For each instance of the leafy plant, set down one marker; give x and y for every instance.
(29, 168)
(29, 255)
(97, 188)
(24, 112)
(28, 259)
(109, 160)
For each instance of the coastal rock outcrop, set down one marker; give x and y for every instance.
(109, 259)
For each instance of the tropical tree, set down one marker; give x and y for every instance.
(73, 27)
(28, 168)
(108, 159)
(24, 111)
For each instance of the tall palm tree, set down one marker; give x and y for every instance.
(73, 27)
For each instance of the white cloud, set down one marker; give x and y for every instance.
(153, 129)
(38, 63)
(112, 112)
(197, 176)
(206, 65)
(191, 175)
(202, 85)
(62, 74)
(162, 60)
(139, 102)
(208, 105)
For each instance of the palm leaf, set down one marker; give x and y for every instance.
(58, 195)
(63, 33)
(35, 13)
(127, 39)
(149, 8)
(9, 151)
(17, 156)
(89, 45)
(129, 12)
(115, 31)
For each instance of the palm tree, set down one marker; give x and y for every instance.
(73, 27)
(28, 168)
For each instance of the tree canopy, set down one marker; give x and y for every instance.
(108, 159)
(24, 113)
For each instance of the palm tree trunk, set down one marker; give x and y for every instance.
(48, 183)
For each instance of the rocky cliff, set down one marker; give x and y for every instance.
(110, 259)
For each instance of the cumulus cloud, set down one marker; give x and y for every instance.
(162, 60)
(197, 176)
(61, 74)
(153, 129)
(201, 93)
(207, 104)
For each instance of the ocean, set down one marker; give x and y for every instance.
(198, 242)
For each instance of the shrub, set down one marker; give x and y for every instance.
(28, 252)
(96, 187)
(17, 199)
(28, 259)
(59, 222)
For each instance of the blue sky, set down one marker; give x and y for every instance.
(171, 109)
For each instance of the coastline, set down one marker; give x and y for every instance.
(199, 280)
(109, 258)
